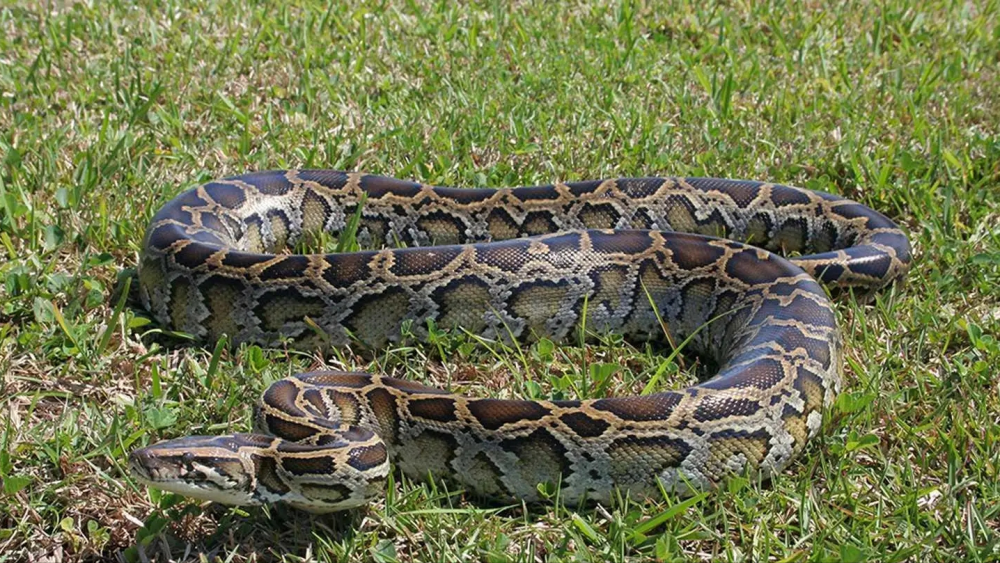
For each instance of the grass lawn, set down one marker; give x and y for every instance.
(108, 109)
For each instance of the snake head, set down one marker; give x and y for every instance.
(215, 468)
(340, 470)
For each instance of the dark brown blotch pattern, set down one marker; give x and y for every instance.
(291, 267)
(367, 457)
(649, 407)
(345, 270)
(690, 253)
(420, 261)
(287, 429)
(195, 254)
(383, 407)
(267, 475)
(715, 408)
(494, 413)
(331, 179)
(272, 182)
(747, 267)
(378, 187)
(584, 425)
(435, 409)
(226, 195)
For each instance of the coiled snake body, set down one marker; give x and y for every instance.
(517, 263)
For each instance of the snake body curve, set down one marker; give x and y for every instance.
(642, 257)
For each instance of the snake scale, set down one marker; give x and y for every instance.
(652, 259)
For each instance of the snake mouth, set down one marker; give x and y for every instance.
(139, 470)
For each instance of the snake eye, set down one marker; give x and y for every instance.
(187, 458)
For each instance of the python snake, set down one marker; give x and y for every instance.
(633, 256)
